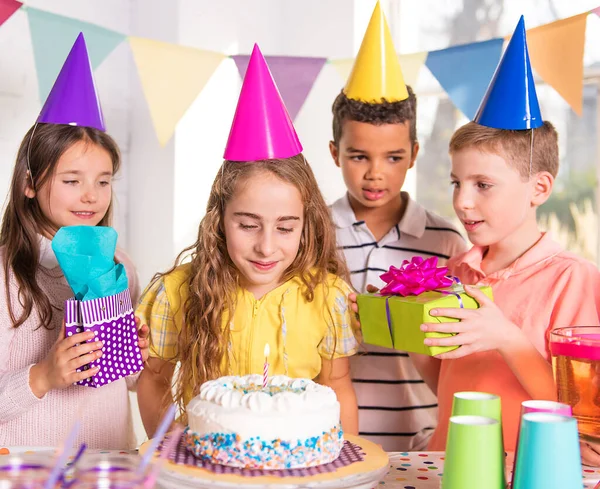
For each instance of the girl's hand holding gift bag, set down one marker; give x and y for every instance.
(62, 366)
(101, 304)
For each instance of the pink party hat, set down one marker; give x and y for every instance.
(262, 128)
(73, 99)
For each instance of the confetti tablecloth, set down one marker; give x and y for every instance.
(423, 470)
(408, 470)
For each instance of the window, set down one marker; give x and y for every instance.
(571, 214)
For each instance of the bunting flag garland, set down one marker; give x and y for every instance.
(172, 76)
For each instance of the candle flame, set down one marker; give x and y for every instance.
(267, 350)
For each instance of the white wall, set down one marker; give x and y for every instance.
(152, 189)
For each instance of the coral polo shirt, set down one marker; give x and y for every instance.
(546, 288)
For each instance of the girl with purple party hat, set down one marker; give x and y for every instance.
(62, 177)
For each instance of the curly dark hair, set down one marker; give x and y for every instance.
(346, 109)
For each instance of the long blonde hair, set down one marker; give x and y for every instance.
(213, 279)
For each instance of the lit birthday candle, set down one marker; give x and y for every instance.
(266, 367)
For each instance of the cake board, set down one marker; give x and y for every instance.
(359, 475)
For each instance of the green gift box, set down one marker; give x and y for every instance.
(407, 314)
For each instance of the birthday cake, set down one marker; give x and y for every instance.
(289, 423)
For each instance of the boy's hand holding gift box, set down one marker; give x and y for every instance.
(101, 302)
(393, 317)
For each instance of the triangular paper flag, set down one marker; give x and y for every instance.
(52, 37)
(556, 53)
(596, 11)
(411, 66)
(7, 8)
(261, 128)
(464, 72)
(343, 67)
(376, 74)
(172, 76)
(295, 76)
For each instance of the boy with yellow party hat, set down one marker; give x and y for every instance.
(378, 225)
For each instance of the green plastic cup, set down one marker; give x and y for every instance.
(477, 404)
(474, 454)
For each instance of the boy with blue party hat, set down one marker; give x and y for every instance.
(504, 164)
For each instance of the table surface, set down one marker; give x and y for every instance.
(408, 470)
(423, 470)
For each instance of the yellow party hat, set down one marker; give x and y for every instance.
(376, 73)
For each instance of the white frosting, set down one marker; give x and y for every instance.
(223, 407)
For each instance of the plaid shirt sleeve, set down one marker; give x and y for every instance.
(155, 311)
(342, 339)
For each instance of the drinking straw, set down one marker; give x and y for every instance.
(158, 435)
(166, 450)
(77, 456)
(63, 454)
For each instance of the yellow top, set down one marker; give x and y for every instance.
(299, 333)
(376, 73)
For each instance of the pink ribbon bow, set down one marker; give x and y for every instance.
(415, 277)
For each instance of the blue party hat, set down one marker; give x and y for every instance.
(511, 101)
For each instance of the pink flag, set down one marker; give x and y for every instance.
(7, 8)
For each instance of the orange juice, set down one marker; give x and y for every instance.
(576, 364)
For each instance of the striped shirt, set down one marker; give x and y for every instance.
(396, 408)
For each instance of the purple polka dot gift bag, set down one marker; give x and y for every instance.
(101, 302)
(112, 321)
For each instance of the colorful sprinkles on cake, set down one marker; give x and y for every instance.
(269, 389)
(230, 449)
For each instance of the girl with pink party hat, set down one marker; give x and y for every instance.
(264, 270)
(62, 177)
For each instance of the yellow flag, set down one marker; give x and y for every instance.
(343, 67)
(411, 66)
(376, 73)
(172, 76)
(556, 53)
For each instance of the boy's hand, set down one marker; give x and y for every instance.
(354, 304)
(479, 330)
(143, 339)
(590, 453)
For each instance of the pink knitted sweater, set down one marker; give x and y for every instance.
(26, 420)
